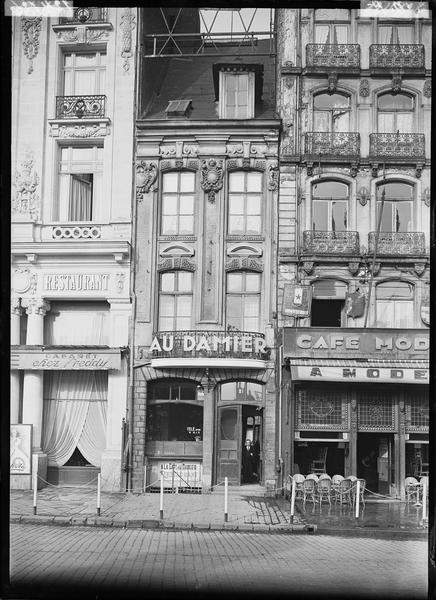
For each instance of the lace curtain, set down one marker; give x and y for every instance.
(75, 413)
(81, 325)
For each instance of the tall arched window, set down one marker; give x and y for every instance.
(394, 304)
(331, 113)
(175, 301)
(398, 206)
(395, 112)
(330, 206)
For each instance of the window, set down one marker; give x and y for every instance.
(331, 113)
(178, 203)
(398, 207)
(175, 301)
(243, 392)
(394, 304)
(401, 33)
(84, 73)
(77, 323)
(328, 303)
(395, 113)
(332, 26)
(237, 94)
(245, 194)
(80, 180)
(329, 206)
(243, 300)
(174, 414)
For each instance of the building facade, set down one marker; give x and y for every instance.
(72, 151)
(354, 242)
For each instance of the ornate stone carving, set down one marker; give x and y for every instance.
(127, 26)
(36, 306)
(76, 232)
(364, 88)
(31, 28)
(300, 197)
(260, 165)
(419, 268)
(308, 266)
(376, 269)
(259, 149)
(94, 35)
(24, 281)
(426, 91)
(16, 306)
(193, 164)
(167, 151)
(426, 197)
(120, 278)
(354, 169)
(418, 170)
(248, 263)
(26, 201)
(374, 170)
(212, 174)
(232, 164)
(174, 263)
(353, 267)
(235, 149)
(78, 131)
(332, 82)
(68, 35)
(146, 175)
(396, 83)
(273, 177)
(190, 149)
(362, 196)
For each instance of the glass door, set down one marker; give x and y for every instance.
(229, 444)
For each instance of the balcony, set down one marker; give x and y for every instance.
(397, 243)
(237, 349)
(337, 57)
(80, 107)
(395, 146)
(328, 145)
(397, 56)
(331, 242)
(85, 15)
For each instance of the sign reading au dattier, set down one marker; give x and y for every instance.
(66, 360)
(356, 343)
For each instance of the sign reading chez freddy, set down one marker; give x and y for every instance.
(66, 360)
(356, 343)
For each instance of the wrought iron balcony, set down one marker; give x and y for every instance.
(332, 145)
(331, 242)
(209, 344)
(397, 145)
(333, 56)
(89, 14)
(80, 107)
(396, 56)
(397, 243)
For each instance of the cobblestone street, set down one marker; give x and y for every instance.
(122, 561)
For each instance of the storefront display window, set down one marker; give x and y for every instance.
(376, 412)
(320, 409)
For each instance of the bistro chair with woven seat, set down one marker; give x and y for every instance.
(312, 476)
(345, 491)
(309, 490)
(336, 480)
(299, 479)
(412, 489)
(324, 490)
(324, 476)
(318, 463)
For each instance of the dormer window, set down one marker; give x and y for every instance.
(237, 87)
(178, 108)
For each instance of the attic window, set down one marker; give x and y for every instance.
(178, 108)
(237, 87)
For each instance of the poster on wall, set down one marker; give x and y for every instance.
(21, 450)
(297, 300)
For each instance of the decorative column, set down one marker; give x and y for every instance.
(208, 439)
(16, 312)
(36, 309)
(351, 462)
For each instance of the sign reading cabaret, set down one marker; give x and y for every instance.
(76, 282)
(66, 360)
(210, 342)
(356, 343)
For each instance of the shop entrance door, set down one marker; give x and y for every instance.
(229, 444)
(375, 461)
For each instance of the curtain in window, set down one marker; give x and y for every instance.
(74, 415)
(322, 34)
(386, 35)
(340, 34)
(405, 35)
(80, 207)
(74, 327)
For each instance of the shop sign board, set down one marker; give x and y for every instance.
(324, 342)
(359, 374)
(213, 344)
(176, 473)
(21, 449)
(76, 282)
(66, 361)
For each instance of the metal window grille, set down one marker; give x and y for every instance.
(419, 413)
(376, 412)
(321, 410)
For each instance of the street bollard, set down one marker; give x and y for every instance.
(98, 494)
(161, 496)
(424, 500)
(226, 491)
(292, 500)
(35, 491)
(357, 499)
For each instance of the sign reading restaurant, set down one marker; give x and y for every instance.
(356, 343)
(210, 343)
(76, 282)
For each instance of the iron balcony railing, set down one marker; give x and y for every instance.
(210, 344)
(396, 56)
(333, 56)
(397, 243)
(89, 14)
(331, 242)
(334, 145)
(80, 107)
(397, 145)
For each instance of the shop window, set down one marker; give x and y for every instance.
(332, 26)
(84, 73)
(401, 33)
(175, 301)
(177, 216)
(397, 213)
(77, 324)
(395, 113)
(328, 303)
(394, 304)
(330, 206)
(320, 409)
(419, 413)
(331, 113)
(79, 185)
(237, 94)
(245, 203)
(243, 300)
(174, 414)
(375, 412)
